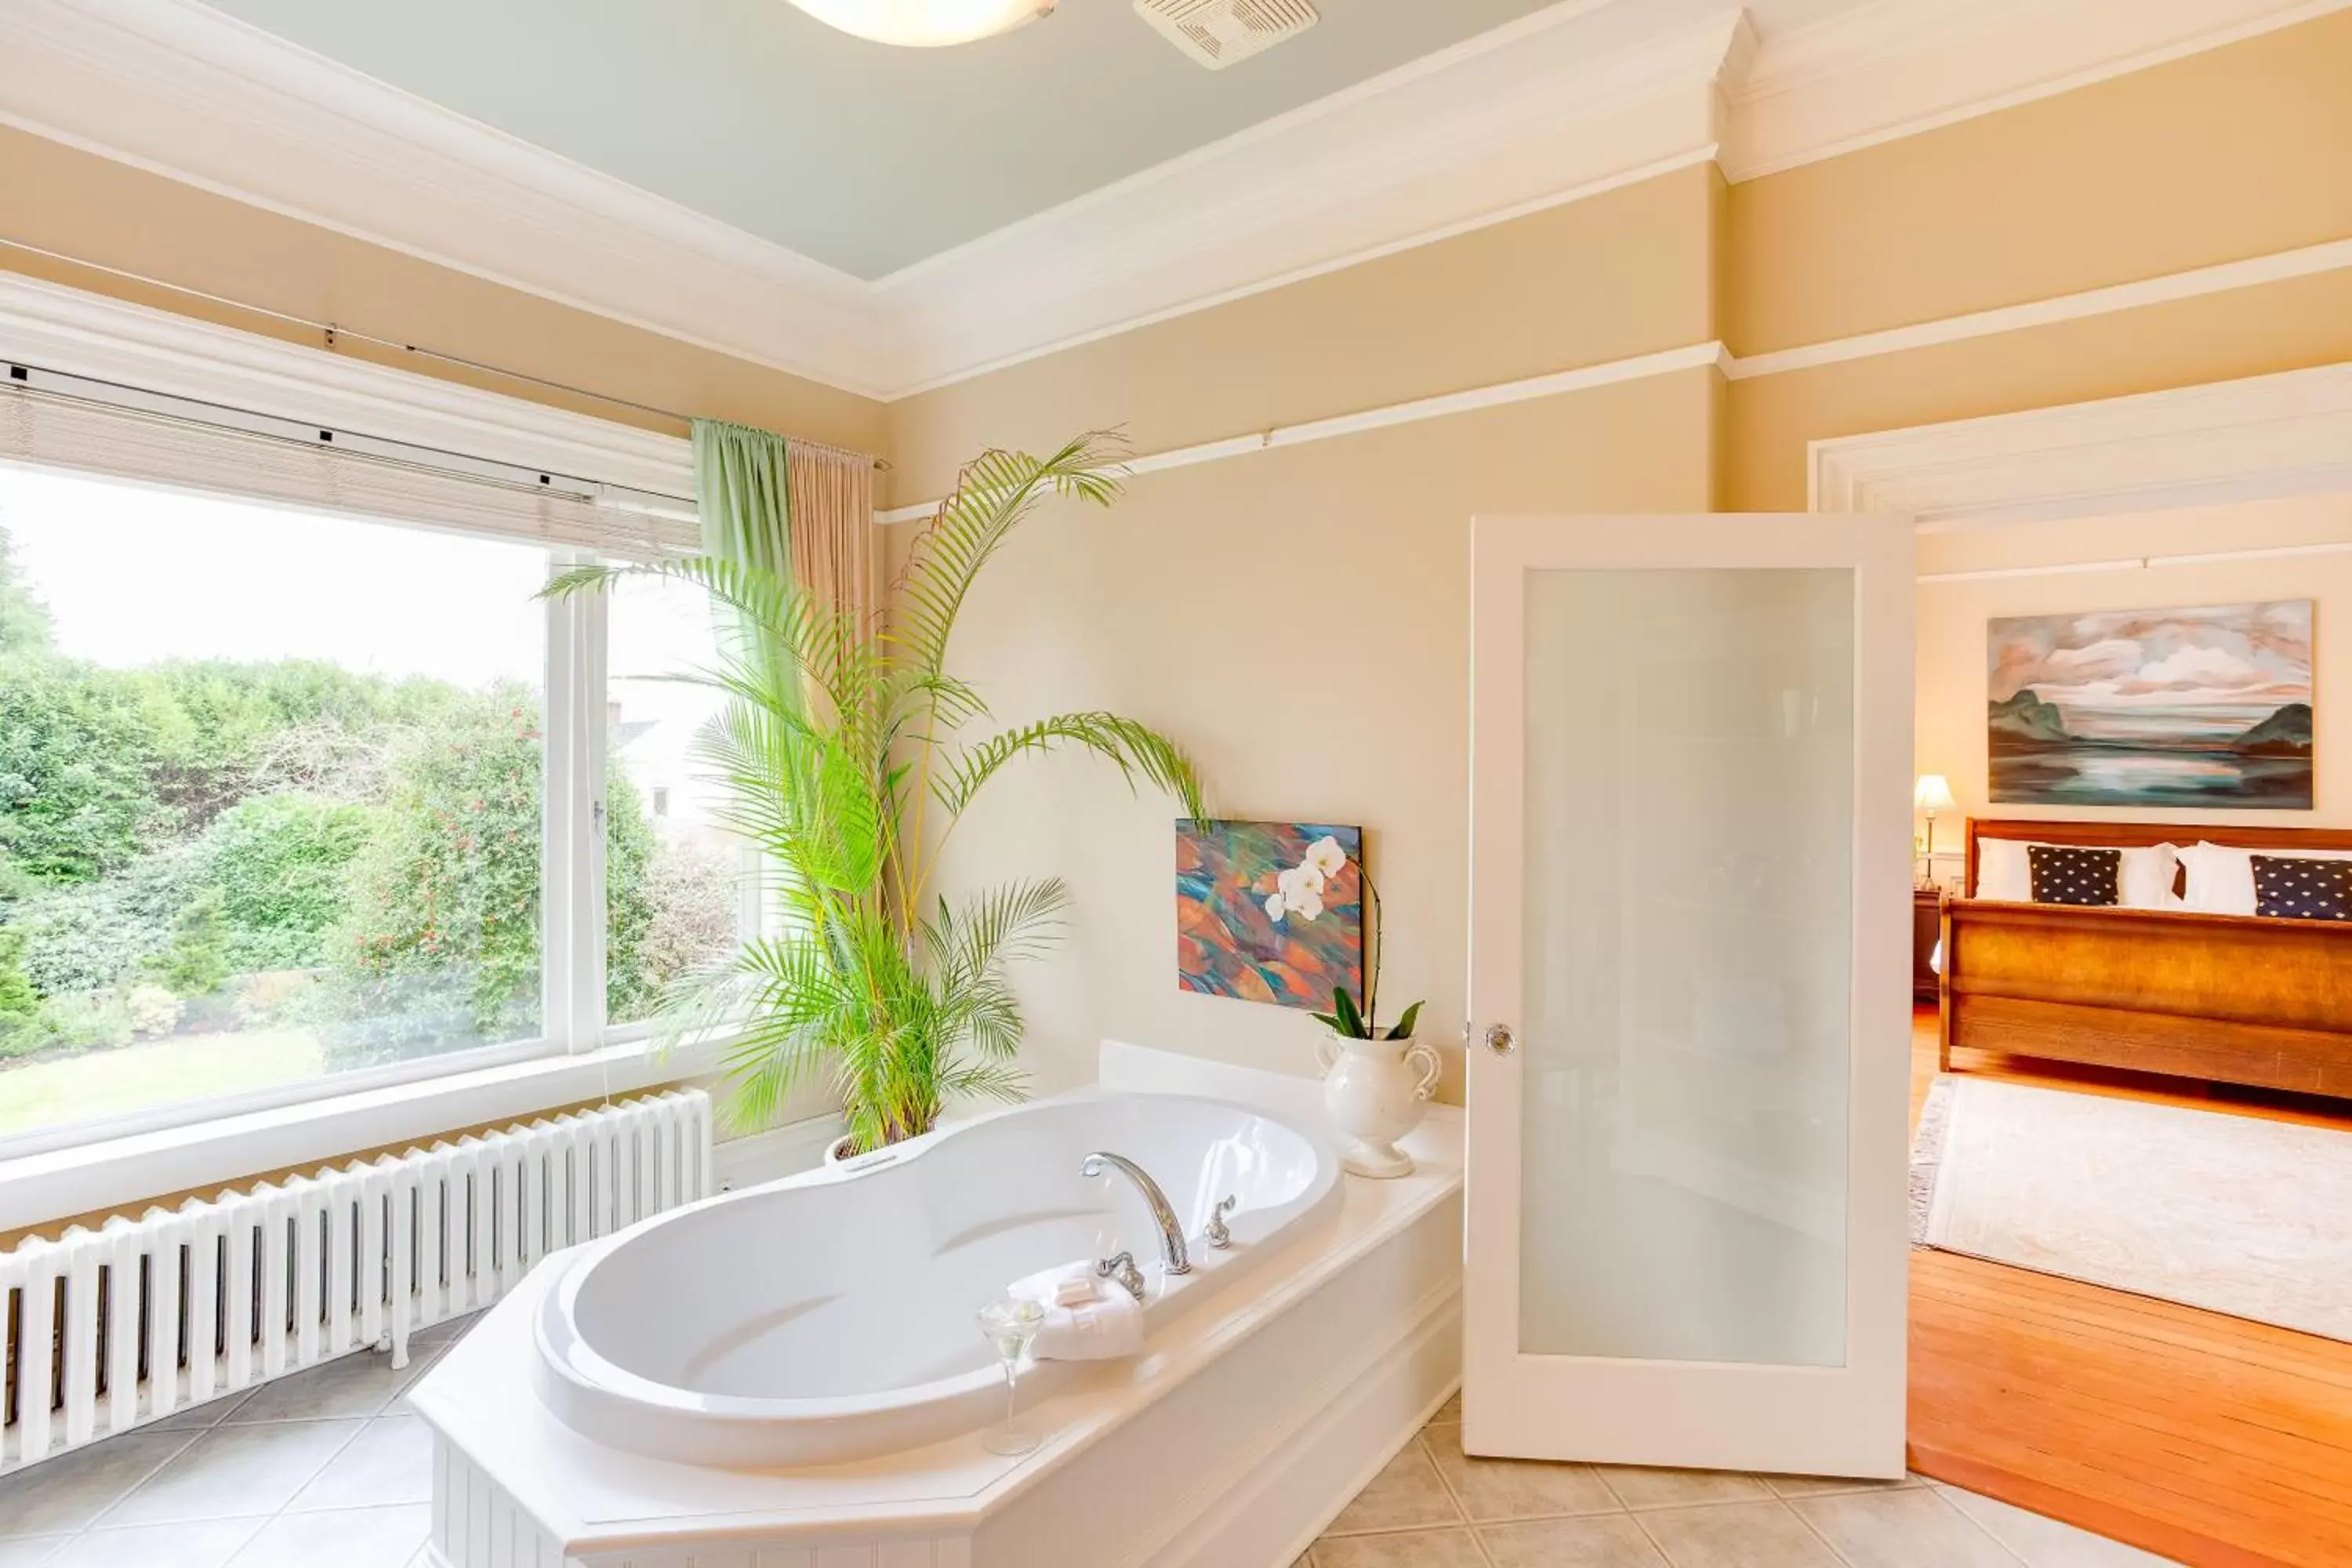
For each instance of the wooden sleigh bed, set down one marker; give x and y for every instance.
(2237, 999)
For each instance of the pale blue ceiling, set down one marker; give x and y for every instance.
(863, 156)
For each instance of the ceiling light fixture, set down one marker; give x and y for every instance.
(926, 24)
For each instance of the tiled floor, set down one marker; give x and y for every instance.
(1435, 1508)
(328, 1468)
(325, 1468)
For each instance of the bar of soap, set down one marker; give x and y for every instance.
(1075, 1291)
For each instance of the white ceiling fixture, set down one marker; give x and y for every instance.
(1218, 32)
(926, 24)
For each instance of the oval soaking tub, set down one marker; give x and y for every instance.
(830, 1316)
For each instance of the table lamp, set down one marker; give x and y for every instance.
(1931, 794)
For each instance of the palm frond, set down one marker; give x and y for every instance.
(1135, 748)
(991, 496)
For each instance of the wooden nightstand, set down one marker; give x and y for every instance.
(1927, 929)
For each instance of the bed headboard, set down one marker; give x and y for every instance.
(2134, 835)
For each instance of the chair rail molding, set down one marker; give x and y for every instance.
(1578, 98)
(2258, 438)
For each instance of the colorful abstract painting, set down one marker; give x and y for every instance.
(2209, 706)
(1269, 911)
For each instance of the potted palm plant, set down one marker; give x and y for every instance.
(841, 753)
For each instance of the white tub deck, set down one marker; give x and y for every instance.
(1241, 1429)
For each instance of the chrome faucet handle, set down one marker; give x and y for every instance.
(1215, 1232)
(1119, 1267)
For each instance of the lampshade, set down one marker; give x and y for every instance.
(925, 23)
(1932, 794)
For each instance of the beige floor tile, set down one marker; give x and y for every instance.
(1641, 1486)
(235, 1470)
(1404, 1494)
(63, 1494)
(447, 1331)
(1603, 1541)
(423, 1359)
(2046, 1543)
(1400, 1549)
(1911, 1528)
(390, 1461)
(346, 1538)
(1822, 1486)
(197, 1417)
(208, 1544)
(363, 1383)
(1491, 1490)
(1449, 1411)
(1736, 1535)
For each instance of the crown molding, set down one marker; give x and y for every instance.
(1523, 118)
(179, 88)
(2257, 438)
(1895, 68)
(1579, 98)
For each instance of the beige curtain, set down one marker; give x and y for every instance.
(833, 549)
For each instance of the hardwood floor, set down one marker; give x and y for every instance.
(2206, 1438)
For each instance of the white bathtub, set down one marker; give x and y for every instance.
(829, 1317)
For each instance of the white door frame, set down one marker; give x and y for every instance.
(1846, 1419)
(2258, 438)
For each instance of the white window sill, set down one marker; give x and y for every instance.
(107, 1173)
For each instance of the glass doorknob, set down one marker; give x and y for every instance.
(1498, 1039)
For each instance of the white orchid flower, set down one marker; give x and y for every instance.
(1326, 856)
(1302, 892)
(1274, 906)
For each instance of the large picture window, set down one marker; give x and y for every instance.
(273, 785)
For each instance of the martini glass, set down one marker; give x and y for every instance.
(1009, 1325)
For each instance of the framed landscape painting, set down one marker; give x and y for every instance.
(2210, 706)
(1269, 911)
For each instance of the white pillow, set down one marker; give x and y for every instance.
(2143, 879)
(2221, 877)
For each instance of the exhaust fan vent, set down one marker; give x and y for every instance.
(1218, 32)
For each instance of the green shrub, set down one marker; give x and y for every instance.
(448, 882)
(75, 798)
(629, 853)
(87, 938)
(197, 961)
(20, 1005)
(281, 863)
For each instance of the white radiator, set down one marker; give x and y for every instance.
(108, 1330)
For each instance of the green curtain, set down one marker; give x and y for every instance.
(746, 505)
(739, 484)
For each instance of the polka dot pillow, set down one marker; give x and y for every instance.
(2289, 888)
(2065, 874)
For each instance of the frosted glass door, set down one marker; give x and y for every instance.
(1691, 857)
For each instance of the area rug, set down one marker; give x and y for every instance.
(2231, 1213)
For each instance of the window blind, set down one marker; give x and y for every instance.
(174, 442)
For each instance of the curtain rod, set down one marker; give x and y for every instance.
(333, 332)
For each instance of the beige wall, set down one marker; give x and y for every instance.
(1299, 614)
(1952, 616)
(2239, 151)
(72, 203)
(1301, 619)
(1203, 602)
(1626, 273)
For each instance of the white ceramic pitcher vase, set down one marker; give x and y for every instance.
(1375, 1091)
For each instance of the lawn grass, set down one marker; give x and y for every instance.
(156, 1072)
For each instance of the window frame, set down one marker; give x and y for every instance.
(265, 385)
